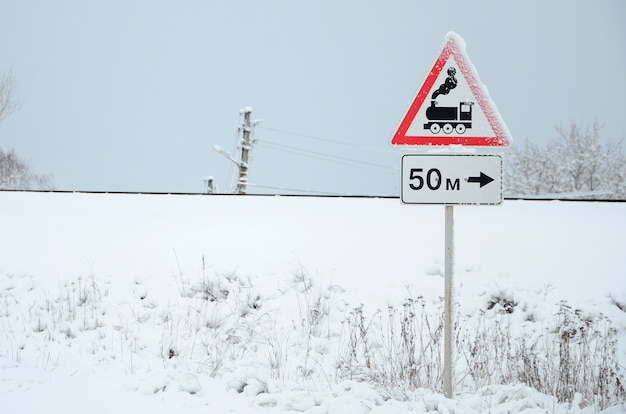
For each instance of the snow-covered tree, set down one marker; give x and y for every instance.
(14, 172)
(577, 164)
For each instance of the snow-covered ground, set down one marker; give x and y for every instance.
(169, 303)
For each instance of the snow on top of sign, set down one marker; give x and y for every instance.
(489, 106)
(459, 40)
(462, 45)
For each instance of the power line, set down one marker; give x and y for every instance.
(294, 189)
(322, 156)
(333, 141)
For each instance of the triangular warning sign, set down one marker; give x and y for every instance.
(452, 107)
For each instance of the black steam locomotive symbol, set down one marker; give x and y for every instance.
(448, 118)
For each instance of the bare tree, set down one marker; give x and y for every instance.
(7, 95)
(579, 163)
(16, 175)
(14, 172)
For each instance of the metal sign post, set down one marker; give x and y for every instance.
(448, 376)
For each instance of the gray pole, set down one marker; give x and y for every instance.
(245, 148)
(448, 383)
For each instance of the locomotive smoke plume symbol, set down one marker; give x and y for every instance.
(448, 118)
(448, 85)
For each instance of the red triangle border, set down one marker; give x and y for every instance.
(500, 139)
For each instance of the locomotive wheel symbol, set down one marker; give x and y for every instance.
(435, 128)
(448, 128)
(460, 128)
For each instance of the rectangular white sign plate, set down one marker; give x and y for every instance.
(451, 179)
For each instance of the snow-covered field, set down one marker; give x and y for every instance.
(197, 304)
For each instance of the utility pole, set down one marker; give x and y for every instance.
(245, 149)
(209, 186)
(246, 142)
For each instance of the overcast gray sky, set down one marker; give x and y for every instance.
(132, 95)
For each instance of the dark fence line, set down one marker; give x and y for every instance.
(528, 198)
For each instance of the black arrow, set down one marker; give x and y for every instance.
(484, 179)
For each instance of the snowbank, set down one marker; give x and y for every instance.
(244, 304)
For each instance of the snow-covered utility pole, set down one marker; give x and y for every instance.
(209, 186)
(245, 144)
(245, 149)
